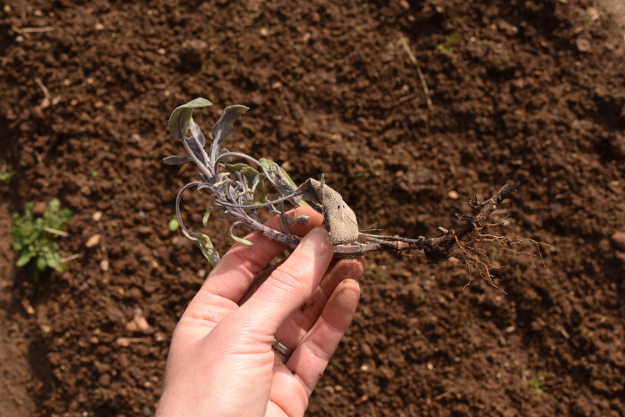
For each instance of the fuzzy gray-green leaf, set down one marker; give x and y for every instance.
(224, 125)
(206, 214)
(176, 160)
(179, 120)
(243, 241)
(206, 246)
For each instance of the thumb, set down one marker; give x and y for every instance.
(289, 285)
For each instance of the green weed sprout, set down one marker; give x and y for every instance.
(6, 173)
(536, 384)
(34, 237)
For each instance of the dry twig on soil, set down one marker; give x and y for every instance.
(424, 84)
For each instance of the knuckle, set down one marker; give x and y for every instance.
(288, 277)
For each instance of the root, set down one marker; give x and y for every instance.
(478, 259)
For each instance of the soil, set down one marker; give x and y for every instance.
(530, 93)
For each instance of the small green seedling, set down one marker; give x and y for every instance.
(6, 173)
(236, 186)
(34, 237)
(536, 384)
(173, 224)
(447, 47)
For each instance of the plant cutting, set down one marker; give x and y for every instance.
(234, 179)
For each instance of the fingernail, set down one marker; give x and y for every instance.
(315, 243)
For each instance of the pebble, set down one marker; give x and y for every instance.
(99, 26)
(27, 306)
(146, 411)
(93, 240)
(361, 400)
(198, 44)
(144, 230)
(618, 240)
(39, 207)
(97, 216)
(583, 45)
(366, 351)
(138, 324)
(453, 195)
(104, 265)
(122, 341)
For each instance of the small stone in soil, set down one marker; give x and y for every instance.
(618, 240)
(93, 240)
(104, 265)
(583, 45)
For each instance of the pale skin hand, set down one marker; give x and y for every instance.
(221, 362)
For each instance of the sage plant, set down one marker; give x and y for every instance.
(233, 187)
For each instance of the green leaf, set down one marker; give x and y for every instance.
(206, 214)
(232, 168)
(65, 215)
(24, 258)
(53, 207)
(179, 120)
(248, 172)
(224, 125)
(41, 263)
(53, 260)
(173, 224)
(243, 241)
(281, 180)
(206, 246)
(176, 160)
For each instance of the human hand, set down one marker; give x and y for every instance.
(221, 362)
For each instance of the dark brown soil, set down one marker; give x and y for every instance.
(526, 92)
